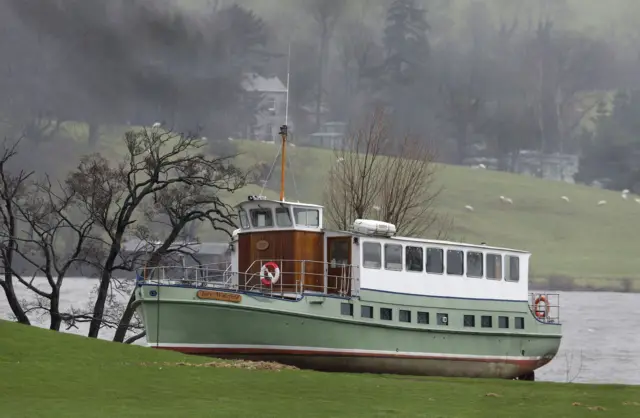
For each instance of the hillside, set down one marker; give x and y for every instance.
(576, 239)
(49, 374)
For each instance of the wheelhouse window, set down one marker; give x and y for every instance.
(413, 258)
(435, 260)
(244, 219)
(307, 217)
(513, 268)
(455, 262)
(494, 266)
(371, 255)
(261, 218)
(393, 257)
(474, 264)
(283, 217)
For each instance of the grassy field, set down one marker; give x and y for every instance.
(48, 374)
(576, 239)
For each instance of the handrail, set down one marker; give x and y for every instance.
(296, 278)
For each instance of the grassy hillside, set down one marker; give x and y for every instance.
(48, 374)
(577, 239)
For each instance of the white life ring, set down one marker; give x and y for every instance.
(266, 277)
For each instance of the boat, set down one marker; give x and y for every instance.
(363, 300)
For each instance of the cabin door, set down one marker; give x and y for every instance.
(339, 265)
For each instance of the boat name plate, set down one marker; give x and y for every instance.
(211, 294)
(262, 245)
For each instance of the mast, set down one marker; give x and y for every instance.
(284, 129)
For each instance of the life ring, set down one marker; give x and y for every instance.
(541, 313)
(266, 277)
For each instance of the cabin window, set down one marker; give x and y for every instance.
(283, 217)
(261, 218)
(503, 321)
(307, 217)
(346, 309)
(386, 314)
(469, 321)
(423, 317)
(442, 318)
(405, 316)
(393, 257)
(413, 256)
(494, 266)
(519, 322)
(366, 311)
(486, 321)
(455, 262)
(474, 264)
(244, 219)
(435, 260)
(371, 255)
(513, 268)
(338, 252)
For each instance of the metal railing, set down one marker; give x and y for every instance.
(294, 277)
(545, 307)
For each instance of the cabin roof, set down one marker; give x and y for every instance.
(436, 242)
(307, 205)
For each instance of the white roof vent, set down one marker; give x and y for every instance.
(371, 227)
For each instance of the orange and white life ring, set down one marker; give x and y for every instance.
(536, 306)
(266, 276)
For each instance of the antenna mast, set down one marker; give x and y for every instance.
(284, 129)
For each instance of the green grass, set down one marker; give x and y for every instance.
(48, 374)
(578, 239)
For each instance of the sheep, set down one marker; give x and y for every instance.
(565, 198)
(469, 208)
(602, 202)
(506, 200)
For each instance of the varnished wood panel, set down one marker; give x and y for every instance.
(284, 248)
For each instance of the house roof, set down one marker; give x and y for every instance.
(256, 82)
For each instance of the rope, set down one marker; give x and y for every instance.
(270, 171)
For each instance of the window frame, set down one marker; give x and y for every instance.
(482, 323)
(407, 312)
(482, 272)
(350, 308)
(243, 216)
(406, 259)
(441, 315)
(465, 318)
(486, 263)
(364, 244)
(443, 262)
(297, 209)
(386, 245)
(390, 310)
(507, 278)
(369, 308)
(288, 212)
(517, 320)
(500, 323)
(270, 211)
(451, 250)
(424, 315)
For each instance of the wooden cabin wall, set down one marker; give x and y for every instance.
(282, 246)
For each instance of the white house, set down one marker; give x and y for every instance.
(271, 111)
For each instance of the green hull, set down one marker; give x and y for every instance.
(313, 333)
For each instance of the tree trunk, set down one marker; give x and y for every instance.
(56, 319)
(105, 281)
(14, 304)
(125, 320)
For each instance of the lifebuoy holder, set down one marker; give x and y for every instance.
(536, 306)
(266, 276)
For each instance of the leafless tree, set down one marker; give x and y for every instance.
(159, 166)
(392, 179)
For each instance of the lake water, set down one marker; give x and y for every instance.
(600, 344)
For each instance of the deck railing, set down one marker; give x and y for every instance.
(545, 307)
(294, 277)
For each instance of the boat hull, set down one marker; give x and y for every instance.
(304, 334)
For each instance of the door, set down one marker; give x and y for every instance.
(339, 265)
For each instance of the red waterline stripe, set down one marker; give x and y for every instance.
(226, 350)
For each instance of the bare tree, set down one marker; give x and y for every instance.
(159, 165)
(375, 175)
(12, 188)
